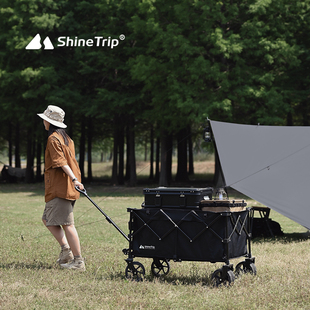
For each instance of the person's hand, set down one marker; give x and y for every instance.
(78, 184)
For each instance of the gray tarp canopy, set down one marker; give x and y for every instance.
(269, 164)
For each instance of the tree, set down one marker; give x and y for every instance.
(176, 63)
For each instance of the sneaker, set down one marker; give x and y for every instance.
(76, 264)
(65, 256)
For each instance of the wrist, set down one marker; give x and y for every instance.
(74, 179)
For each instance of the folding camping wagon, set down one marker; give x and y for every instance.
(185, 224)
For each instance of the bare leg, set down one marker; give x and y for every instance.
(58, 233)
(73, 239)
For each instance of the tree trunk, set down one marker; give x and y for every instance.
(10, 154)
(115, 156)
(157, 169)
(39, 172)
(289, 119)
(30, 158)
(132, 156)
(89, 149)
(69, 122)
(182, 175)
(82, 150)
(163, 178)
(151, 177)
(145, 149)
(218, 180)
(17, 152)
(169, 158)
(190, 153)
(305, 112)
(121, 142)
(127, 175)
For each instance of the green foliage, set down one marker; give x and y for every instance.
(241, 61)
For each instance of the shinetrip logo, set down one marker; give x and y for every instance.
(66, 41)
(35, 43)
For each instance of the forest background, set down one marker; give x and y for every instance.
(176, 63)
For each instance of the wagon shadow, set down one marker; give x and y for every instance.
(173, 279)
(184, 280)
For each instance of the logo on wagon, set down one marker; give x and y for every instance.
(147, 247)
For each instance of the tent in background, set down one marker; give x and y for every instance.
(270, 164)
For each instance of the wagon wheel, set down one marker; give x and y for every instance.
(160, 267)
(243, 267)
(135, 271)
(220, 277)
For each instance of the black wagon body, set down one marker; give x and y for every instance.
(210, 231)
(207, 231)
(188, 235)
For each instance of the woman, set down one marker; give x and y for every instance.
(61, 176)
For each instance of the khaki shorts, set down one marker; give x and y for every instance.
(58, 212)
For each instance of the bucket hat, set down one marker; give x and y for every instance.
(54, 115)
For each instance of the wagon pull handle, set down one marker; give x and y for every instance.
(82, 191)
(106, 216)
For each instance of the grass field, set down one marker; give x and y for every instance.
(30, 278)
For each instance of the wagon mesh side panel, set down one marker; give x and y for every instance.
(238, 234)
(154, 239)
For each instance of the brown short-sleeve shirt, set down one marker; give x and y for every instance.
(57, 182)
